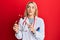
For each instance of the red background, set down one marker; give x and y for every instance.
(48, 9)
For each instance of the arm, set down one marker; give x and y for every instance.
(18, 35)
(41, 33)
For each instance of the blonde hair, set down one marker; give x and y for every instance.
(36, 10)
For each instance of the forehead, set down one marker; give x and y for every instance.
(31, 4)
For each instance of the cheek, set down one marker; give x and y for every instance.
(28, 10)
(33, 10)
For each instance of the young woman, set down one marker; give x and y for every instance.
(31, 27)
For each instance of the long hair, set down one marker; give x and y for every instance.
(36, 9)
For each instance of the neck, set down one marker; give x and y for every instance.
(30, 16)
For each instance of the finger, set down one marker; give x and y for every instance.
(14, 28)
(32, 24)
(28, 24)
(16, 21)
(15, 24)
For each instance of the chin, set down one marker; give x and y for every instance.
(30, 14)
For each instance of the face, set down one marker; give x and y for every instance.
(31, 9)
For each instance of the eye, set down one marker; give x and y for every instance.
(28, 6)
(33, 7)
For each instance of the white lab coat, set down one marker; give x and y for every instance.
(24, 32)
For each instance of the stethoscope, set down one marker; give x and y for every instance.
(25, 22)
(26, 19)
(29, 25)
(32, 23)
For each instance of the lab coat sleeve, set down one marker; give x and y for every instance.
(19, 34)
(40, 34)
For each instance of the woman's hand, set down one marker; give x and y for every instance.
(32, 28)
(16, 27)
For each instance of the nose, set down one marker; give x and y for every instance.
(30, 9)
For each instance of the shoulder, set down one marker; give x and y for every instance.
(22, 19)
(40, 19)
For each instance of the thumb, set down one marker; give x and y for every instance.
(16, 22)
(32, 24)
